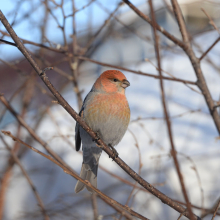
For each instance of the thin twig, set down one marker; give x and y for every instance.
(29, 129)
(168, 122)
(81, 122)
(31, 43)
(137, 72)
(159, 28)
(211, 210)
(181, 215)
(201, 82)
(216, 209)
(40, 202)
(139, 169)
(124, 214)
(206, 52)
(73, 174)
(211, 20)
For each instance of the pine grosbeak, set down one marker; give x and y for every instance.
(106, 111)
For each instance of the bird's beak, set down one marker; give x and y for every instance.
(125, 83)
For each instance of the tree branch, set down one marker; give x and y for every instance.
(73, 174)
(72, 112)
(173, 150)
(196, 65)
(15, 158)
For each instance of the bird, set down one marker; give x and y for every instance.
(106, 111)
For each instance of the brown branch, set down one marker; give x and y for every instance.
(132, 30)
(211, 20)
(9, 169)
(12, 97)
(171, 117)
(196, 65)
(71, 111)
(78, 10)
(181, 215)
(73, 174)
(139, 170)
(103, 64)
(168, 122)
(211, 210)
(126, 181)
(4, 185)
(137, 72)
(198, 178)
(73, 64)
(216, 209)
(29, 129)
(206, 52)
(15, 158)
(31, 43)
(126, 215)
(208, 59)
(201, 83)
(92, 39)
(159, 28)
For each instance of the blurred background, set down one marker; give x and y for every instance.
(102, 34)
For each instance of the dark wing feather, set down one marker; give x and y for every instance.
(77, 128)
(77, 133)
(77, 137)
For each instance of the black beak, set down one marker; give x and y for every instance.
(125, 83)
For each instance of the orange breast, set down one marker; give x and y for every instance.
(108, 113)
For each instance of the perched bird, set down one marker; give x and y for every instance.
(106, 111)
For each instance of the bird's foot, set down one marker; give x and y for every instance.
(96, 138)
(115, 153)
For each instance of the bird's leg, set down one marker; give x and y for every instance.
(115, 153)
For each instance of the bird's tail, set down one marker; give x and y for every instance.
(87, 174)
(89, 168)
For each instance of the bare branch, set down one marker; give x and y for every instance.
(73, 174)
(68, 108)
(173, 150)
(40, 202)
(159, 28)
(137, 72)
(196, 65)
(216, 209)
(206, 52)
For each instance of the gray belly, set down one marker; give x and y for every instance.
(112, 131)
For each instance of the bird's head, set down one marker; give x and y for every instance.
(111, 81)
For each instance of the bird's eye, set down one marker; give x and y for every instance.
(115, 80)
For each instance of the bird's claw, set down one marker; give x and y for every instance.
(96, 138)
(115, 153)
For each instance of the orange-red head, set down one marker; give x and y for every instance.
(111, 81)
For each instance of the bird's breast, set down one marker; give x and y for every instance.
(108, 115)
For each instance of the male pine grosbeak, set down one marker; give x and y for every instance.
(106, 111)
